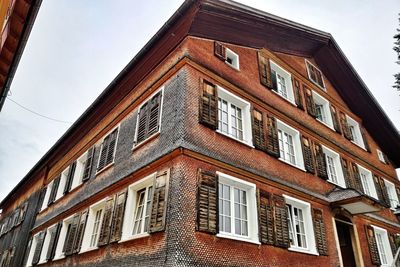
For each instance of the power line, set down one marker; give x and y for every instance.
(38, 114)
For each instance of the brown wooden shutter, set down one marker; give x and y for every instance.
(298, 95)
(208, 106)
(272, 141)
(154, 117)
(54, 235)
(335, 119)
(392, 240)
(265, 217)
(345, 126)
(80, 231)
(385, 157)
(320, 159)
(398, 192)
(310, 104)
(281, 222)
(356, 178)
(320, 232)
(54, 190)
(38, 247)
(71, 235)
(111, 147)
(207, 202)
(70, 177)
(143, 114)
(373, 248)
(88, 164)
(159, 202)
(307, 154)
(104, 235)
(346, 173)
(42, 194)
(259, 140)
(381, 190)
(22, 214)
(364, 137)
(103, 153)
(264, 69)
(118, 217)
(219, 51)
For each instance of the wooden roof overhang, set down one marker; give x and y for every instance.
(235, 23)
(13, 40)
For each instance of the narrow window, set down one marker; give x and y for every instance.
(282, 82)
(367, 182)
(142, 211)
(96, 228)
(315, 75)
(290, 145)
(297, 231)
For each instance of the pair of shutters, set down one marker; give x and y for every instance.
(149, 118)
(38, 247)
(272, 214)
(268, 79)
(73, 239)
(312, 152)
(373, 246)
(54, 235)
(381, 190)
(107, 150)
(265, 137)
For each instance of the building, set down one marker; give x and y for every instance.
(233, 138)
(16, 20)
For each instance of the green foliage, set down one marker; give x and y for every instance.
(396, 48)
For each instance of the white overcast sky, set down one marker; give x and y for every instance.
(76, 48)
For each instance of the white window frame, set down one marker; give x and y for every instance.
(296, 144)
(86, 241)
(338, 166)
(59, 254)
(250, 189)
(370, 181)
(309, 75)
(246, 116)
(47, 195)
(61, 185)
(135, 143)
(386, 245)
(322, 101)
(381, 157)
(357, 136)
(101, 148)
(391, 190)
(308, 225)
(79, 170)
(32, 250)
(234, 58)
(130, 208)
(288, 82)
(46, 243)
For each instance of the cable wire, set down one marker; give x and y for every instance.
(38, 114)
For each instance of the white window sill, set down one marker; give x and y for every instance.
(326, 124)
(291, 164)
(339, 185)
(284, 98)
(238, 238)
(145, 141)
(134, 237)
(59, 258)
(232, 66)
(238, 140)
(302, 250)
(357, 144)
(88, 249)
(42, 262)
(105, 168)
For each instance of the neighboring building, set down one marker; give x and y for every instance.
(234, 138)
(16, 21)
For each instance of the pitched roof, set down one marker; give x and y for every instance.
(228, 21)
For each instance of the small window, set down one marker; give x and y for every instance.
(79, 169)
(93, 226)
(301, 232)
(391, 190)
(234, 116)
(381, 156)
(65, 229)
(334, 169)
(315, 75)
(237, 209)
(290, 145)
(354, 128)
(46, 244)
(138, 208)
(232, 59)
(384, 249)
(367, 182)
(32, 249)
(322, 110)
(282, 82)
(107, 150)
(63, 180)
(47, 195)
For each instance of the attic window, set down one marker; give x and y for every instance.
(226, 55)
(315, 75)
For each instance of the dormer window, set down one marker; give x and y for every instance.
(226, 55)
(315, 75)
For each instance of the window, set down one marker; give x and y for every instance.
(93, 226)
(391, 190)
(301, 232)
(381, 156)
(138, 208)
(282, 82)
(79, 170)
(149, 117)
(322, 110)
(237, 209)
(315, 75)
(47, 195)
(65, 228)
(334, 169)
(289, 145)
(32, 249)
(355, 132)
(367, 182)
(234, 116)
(46, 244)
(232, 59)
(63, 180)
(107, 151)
(384, 249)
